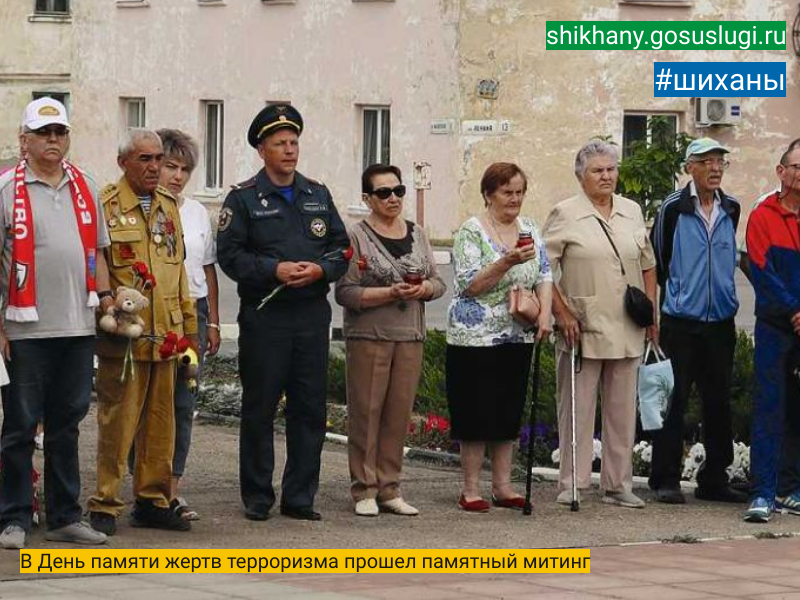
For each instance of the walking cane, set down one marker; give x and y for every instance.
(574, 505)
(527, 509)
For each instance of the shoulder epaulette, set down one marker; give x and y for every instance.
(109, 191)
(244, 184)
(315, 182)
(165, 192)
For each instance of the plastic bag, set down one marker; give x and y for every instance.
(656, 382)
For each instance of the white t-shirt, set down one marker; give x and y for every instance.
(201, 249)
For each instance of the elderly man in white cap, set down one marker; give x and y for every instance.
(694, 238)
(51, 273)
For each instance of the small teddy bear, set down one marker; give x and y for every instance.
(122, 318)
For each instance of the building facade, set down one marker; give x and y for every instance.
(456, 84)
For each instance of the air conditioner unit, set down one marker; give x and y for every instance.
(717, 111)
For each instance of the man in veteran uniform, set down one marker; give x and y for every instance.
(281, 231)
(51, 234)
(135, 397)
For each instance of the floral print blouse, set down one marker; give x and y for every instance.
(484, 320)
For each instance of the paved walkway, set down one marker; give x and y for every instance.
(748, 568)
(756, 569)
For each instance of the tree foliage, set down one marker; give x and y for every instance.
(649, 171)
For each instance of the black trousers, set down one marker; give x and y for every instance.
(283, 348)
(701, 354)
(51, 381)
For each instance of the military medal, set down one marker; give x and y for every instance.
(132, 220)
(112, 222)
(158, 239)
(123, 220)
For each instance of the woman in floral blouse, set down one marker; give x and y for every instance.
(488, 352)
(384, 291)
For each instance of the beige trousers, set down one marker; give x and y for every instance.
(616, 380)
(141, 409)
(382, 380)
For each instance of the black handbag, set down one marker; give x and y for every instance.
(637, 304)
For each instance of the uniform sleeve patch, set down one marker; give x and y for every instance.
(225, 219)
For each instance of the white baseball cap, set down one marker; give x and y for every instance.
(44, 111)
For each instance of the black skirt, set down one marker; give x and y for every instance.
(486, 390)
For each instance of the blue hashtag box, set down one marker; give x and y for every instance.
(719, 79)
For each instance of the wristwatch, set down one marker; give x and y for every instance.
(213, 326)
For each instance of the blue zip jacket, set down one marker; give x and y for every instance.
(696, 268)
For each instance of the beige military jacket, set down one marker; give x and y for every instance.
(157, 241)
(588, 273)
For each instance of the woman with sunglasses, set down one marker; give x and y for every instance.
(488, 351)
(391, 276)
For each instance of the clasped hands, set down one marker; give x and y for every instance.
(298, 274)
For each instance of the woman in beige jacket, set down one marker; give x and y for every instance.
(589, 310)
(384, 291)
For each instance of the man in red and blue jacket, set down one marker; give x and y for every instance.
(773, 247)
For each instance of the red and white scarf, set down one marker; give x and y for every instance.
(22, 286)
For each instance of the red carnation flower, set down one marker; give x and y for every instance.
(362, 263)
(182, 345)
(348, 252)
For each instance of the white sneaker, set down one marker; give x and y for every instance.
(367, 508)
(76, 533)
(399, 506)
(12, 537)
(624, 498)
(565, 497)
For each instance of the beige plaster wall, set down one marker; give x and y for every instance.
(34, 56)
(325, 56)
(558, 100)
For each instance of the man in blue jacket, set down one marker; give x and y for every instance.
(694, 238)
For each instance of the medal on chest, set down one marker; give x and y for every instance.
(164, 234)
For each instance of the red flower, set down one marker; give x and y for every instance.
(362, 263)
(348, 252)
(436, 423)
(150, 280)
(167, 348)
(169, 227)
(182, 345)
(140, 269)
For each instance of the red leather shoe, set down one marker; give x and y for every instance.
(517, 502)
(479, 506)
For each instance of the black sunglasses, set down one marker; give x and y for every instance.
(384, 192)
(59, 130)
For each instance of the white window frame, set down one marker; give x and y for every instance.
(50, 8)
(379, 156)
(213, 156)
(137, 104)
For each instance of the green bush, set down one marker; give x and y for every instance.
(221, 389)
(337, 384)
(431, 393)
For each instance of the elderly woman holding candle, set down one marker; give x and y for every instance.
(488, 350)
(391, 276)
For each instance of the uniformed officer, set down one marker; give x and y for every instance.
(281, 228)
